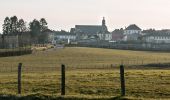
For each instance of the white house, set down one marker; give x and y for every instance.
(68, 37)
(132, 33)
(105, 36)
(65, 36)
(157, 38)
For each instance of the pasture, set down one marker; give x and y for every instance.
(90, 73)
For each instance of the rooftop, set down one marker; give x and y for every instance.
(133, 27)
(89, 29)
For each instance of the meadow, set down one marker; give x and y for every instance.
(90, 73)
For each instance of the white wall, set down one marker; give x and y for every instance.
(157, 39)
(72, 37)
(107, 37)
(132, 32)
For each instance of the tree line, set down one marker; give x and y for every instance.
(13, 26)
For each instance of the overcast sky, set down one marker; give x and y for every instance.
(64, 14)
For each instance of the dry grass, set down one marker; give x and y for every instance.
(86, 57)
(41, 73)
(139, 83)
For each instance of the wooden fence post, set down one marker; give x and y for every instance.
(19, 78)
(62, 79)
(122, 78)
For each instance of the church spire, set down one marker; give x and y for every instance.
(104, 27)
(103, 22)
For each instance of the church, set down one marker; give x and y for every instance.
(92, 31)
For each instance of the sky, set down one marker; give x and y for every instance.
(65, 14)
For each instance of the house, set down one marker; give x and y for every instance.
(85, 31)
(105, 36)
(63, 36)
(157, 37)
(132, 33)
(132, 29)
(117, 35)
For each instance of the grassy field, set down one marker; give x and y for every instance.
(89, 74)
(86, 57)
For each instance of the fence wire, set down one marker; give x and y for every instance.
(97, 80)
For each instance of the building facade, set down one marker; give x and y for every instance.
(157, 38)
(117, 35)
(62, 36)
(132, 33)
(105, 36)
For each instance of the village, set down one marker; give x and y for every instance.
(130, 37)
(131, 34)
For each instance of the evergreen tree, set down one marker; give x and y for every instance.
(6, 26)
(35, 28)
(43, 24)
(22, 26)
(14, 24)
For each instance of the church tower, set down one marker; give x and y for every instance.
(104, 30)
(103, 22)
(104, 27)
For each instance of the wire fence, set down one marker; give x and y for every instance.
(97, 80)
(48, 67)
